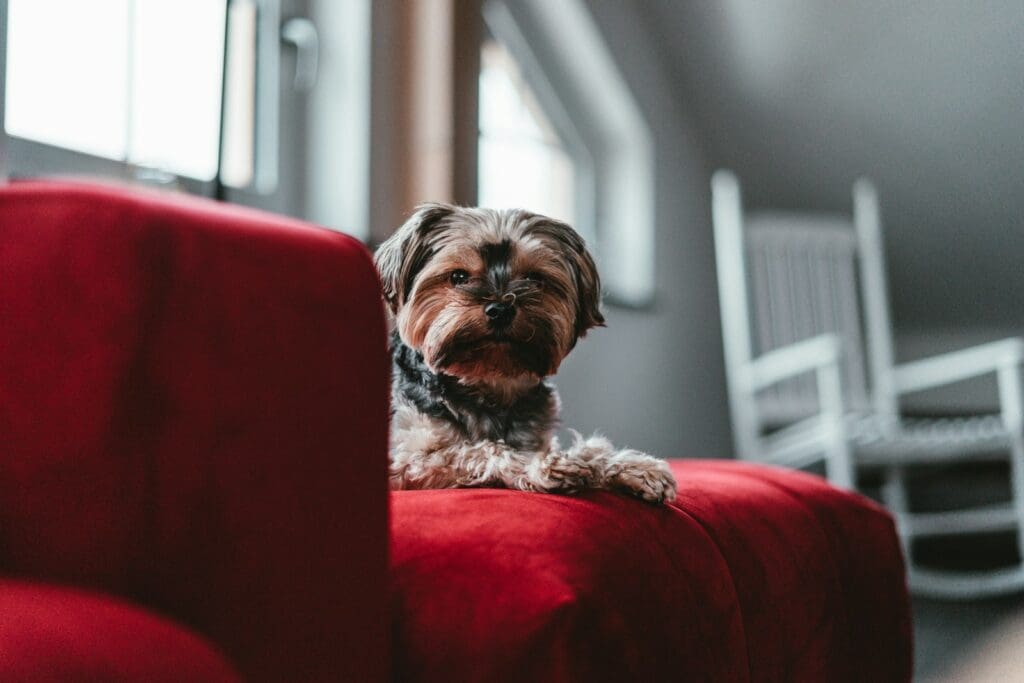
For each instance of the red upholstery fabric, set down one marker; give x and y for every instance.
(193, 417)
(54, 635)
(753, 574)
(193, 409)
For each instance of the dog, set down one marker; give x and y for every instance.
(486, 304)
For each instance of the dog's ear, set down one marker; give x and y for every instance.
(402, 256)
(584, 272)
(588, 284)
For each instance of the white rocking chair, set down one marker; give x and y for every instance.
(807, 384)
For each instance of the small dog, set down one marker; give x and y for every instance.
(486, 304)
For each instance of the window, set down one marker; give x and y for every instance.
(132, 90)
(109, 78)
(561, 97)
(522, 161)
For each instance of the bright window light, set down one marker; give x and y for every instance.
(132, 80)
(522, 162)
(178, 50)
(67, 68)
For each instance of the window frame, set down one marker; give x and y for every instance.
(300, 150)
(23, 159)
(592, 108)
(503, 28)
(566, 139)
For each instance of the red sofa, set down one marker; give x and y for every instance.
(752, 574)
(193, 424)
(193, 408)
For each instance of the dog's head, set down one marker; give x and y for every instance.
(489, 295)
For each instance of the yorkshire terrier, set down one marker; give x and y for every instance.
(486, 304)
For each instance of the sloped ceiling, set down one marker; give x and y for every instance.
(925, 97)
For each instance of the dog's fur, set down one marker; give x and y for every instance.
(486, 306)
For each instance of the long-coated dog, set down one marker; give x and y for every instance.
(486, 305)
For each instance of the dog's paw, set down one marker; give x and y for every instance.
(555, 473)
(640, 475)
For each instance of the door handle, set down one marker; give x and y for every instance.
(301, 33)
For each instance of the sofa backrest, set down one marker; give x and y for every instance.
(193, 415)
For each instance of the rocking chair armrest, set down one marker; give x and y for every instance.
(795, 359)
(955, 366)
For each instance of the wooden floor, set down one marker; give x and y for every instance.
(946, 633)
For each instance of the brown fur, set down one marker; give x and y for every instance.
(440, 271)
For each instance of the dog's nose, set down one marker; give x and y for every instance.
(500, 313)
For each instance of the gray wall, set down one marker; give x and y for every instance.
(924, 96)
(654, 378)
(801, 98)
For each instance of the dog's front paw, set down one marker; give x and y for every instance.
(556, 473)
(640, 475)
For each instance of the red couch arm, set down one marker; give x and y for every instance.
(193, 412)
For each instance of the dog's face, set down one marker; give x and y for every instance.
(489, 295)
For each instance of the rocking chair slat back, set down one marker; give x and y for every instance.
(803, 282)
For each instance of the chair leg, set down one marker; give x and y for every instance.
(1012, 400)
(838, 458)
(894, 496)
(1017, 486)
(839, 463)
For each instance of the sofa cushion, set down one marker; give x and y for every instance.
(193, 415)
(53, 634)
(752, 574)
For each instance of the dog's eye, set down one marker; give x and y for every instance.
(535, 278)
(459, 277)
